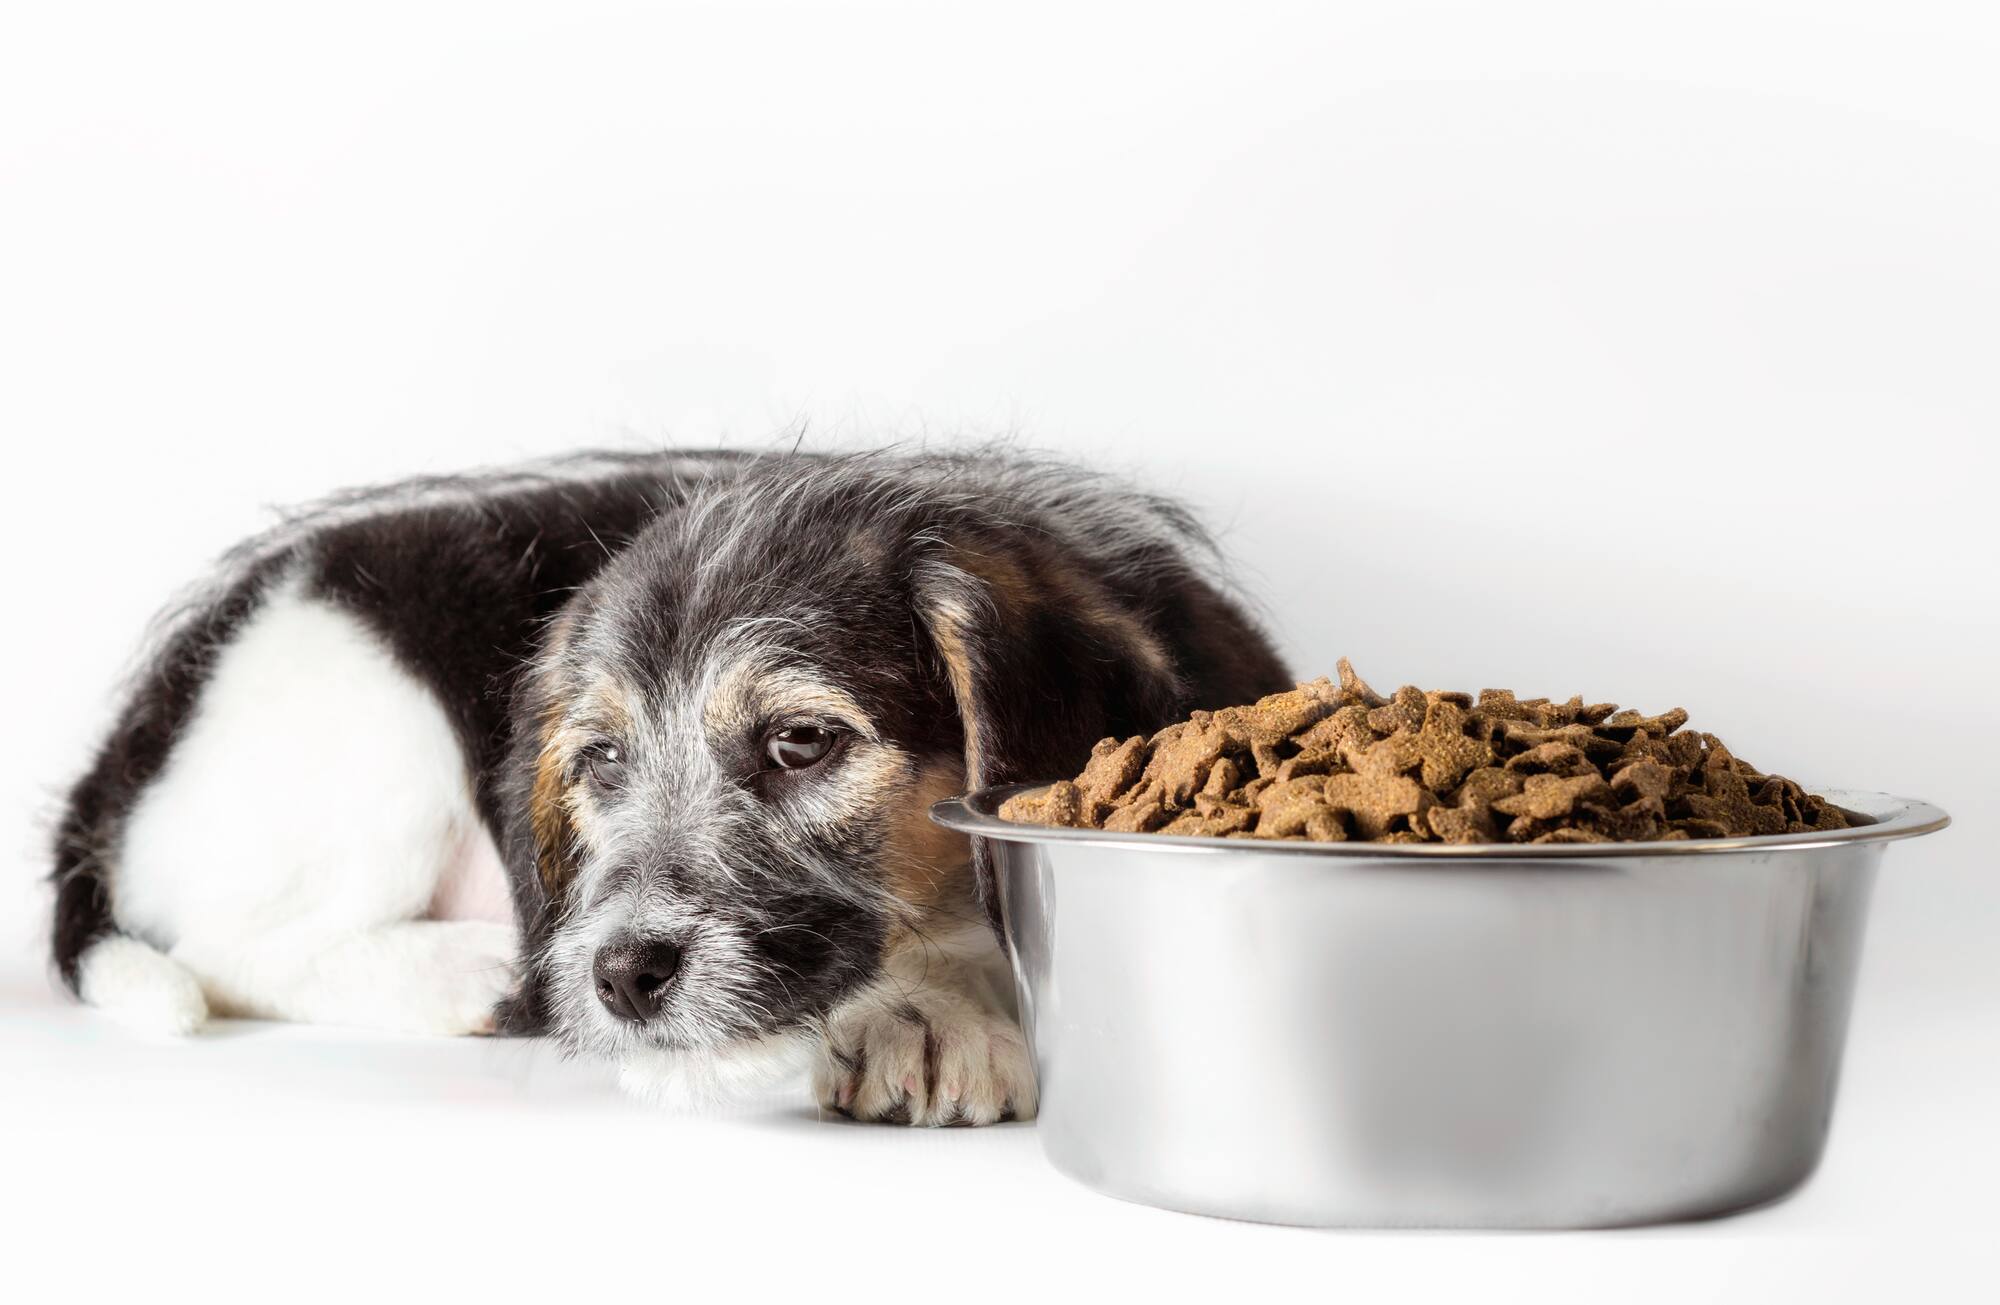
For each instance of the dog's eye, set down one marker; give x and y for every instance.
(604, 763)
(797, 746)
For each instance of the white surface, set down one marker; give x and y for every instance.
(259, 1155)
(1679, 317)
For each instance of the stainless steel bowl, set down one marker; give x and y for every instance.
(1495, 1036)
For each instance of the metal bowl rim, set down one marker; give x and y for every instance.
(977, 813)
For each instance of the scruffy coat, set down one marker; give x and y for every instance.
(586, 669)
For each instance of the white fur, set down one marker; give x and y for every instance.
(141, 987)
(303, 824)
(706, 1079)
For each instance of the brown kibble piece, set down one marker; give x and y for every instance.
(1573, 834)
(1684, 750)
(1519, 737)
(1345, 733)
(1355, 689)
(1643, 779)
(1727, 803)
(1236, 820)
(1405, 711)
(1061, 803)
(1626, 722)
(1445, 752)
(1065, 804)
(1306, 763)
(1499, 705)
(1372, 800)
(1325, 827)
(1223, 777)
(1482, 786)
(1553, 758)
(1546, 797)
(1285, 807)
(1275, 717)
(1113, 768)
(1182, 762)
(1030, 808)
(1469, 824)
(1139, 818)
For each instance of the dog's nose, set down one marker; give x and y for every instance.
(632, 976)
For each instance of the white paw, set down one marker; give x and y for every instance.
(928, 1059)
(140, 987)
(417, 976)
(468, 967)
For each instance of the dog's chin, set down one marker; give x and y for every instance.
(702, 1079)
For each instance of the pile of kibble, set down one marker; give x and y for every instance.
(1332, 761)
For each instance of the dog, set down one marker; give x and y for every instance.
(636, 750)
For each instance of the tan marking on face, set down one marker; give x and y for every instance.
(558, 811)
(548, 818)
(868, 780)
(548, 809)
(751, 692)
(602, 708)
(925, 865)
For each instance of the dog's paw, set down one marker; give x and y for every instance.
(474, 971)
(928, 1059)
(424, 976)
(141, 987)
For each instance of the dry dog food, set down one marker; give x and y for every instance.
(1332, 762)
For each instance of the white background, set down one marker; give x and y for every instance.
(1642, 350)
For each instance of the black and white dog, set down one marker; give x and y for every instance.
(637, 750)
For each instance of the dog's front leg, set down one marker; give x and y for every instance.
(932, 1041)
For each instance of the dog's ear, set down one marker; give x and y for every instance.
(550, 831)
(1043, 655)
(541, 842)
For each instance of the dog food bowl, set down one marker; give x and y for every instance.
(1503, 1036)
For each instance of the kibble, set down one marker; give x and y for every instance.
(1333, 761)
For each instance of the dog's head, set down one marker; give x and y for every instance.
(728, 745)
